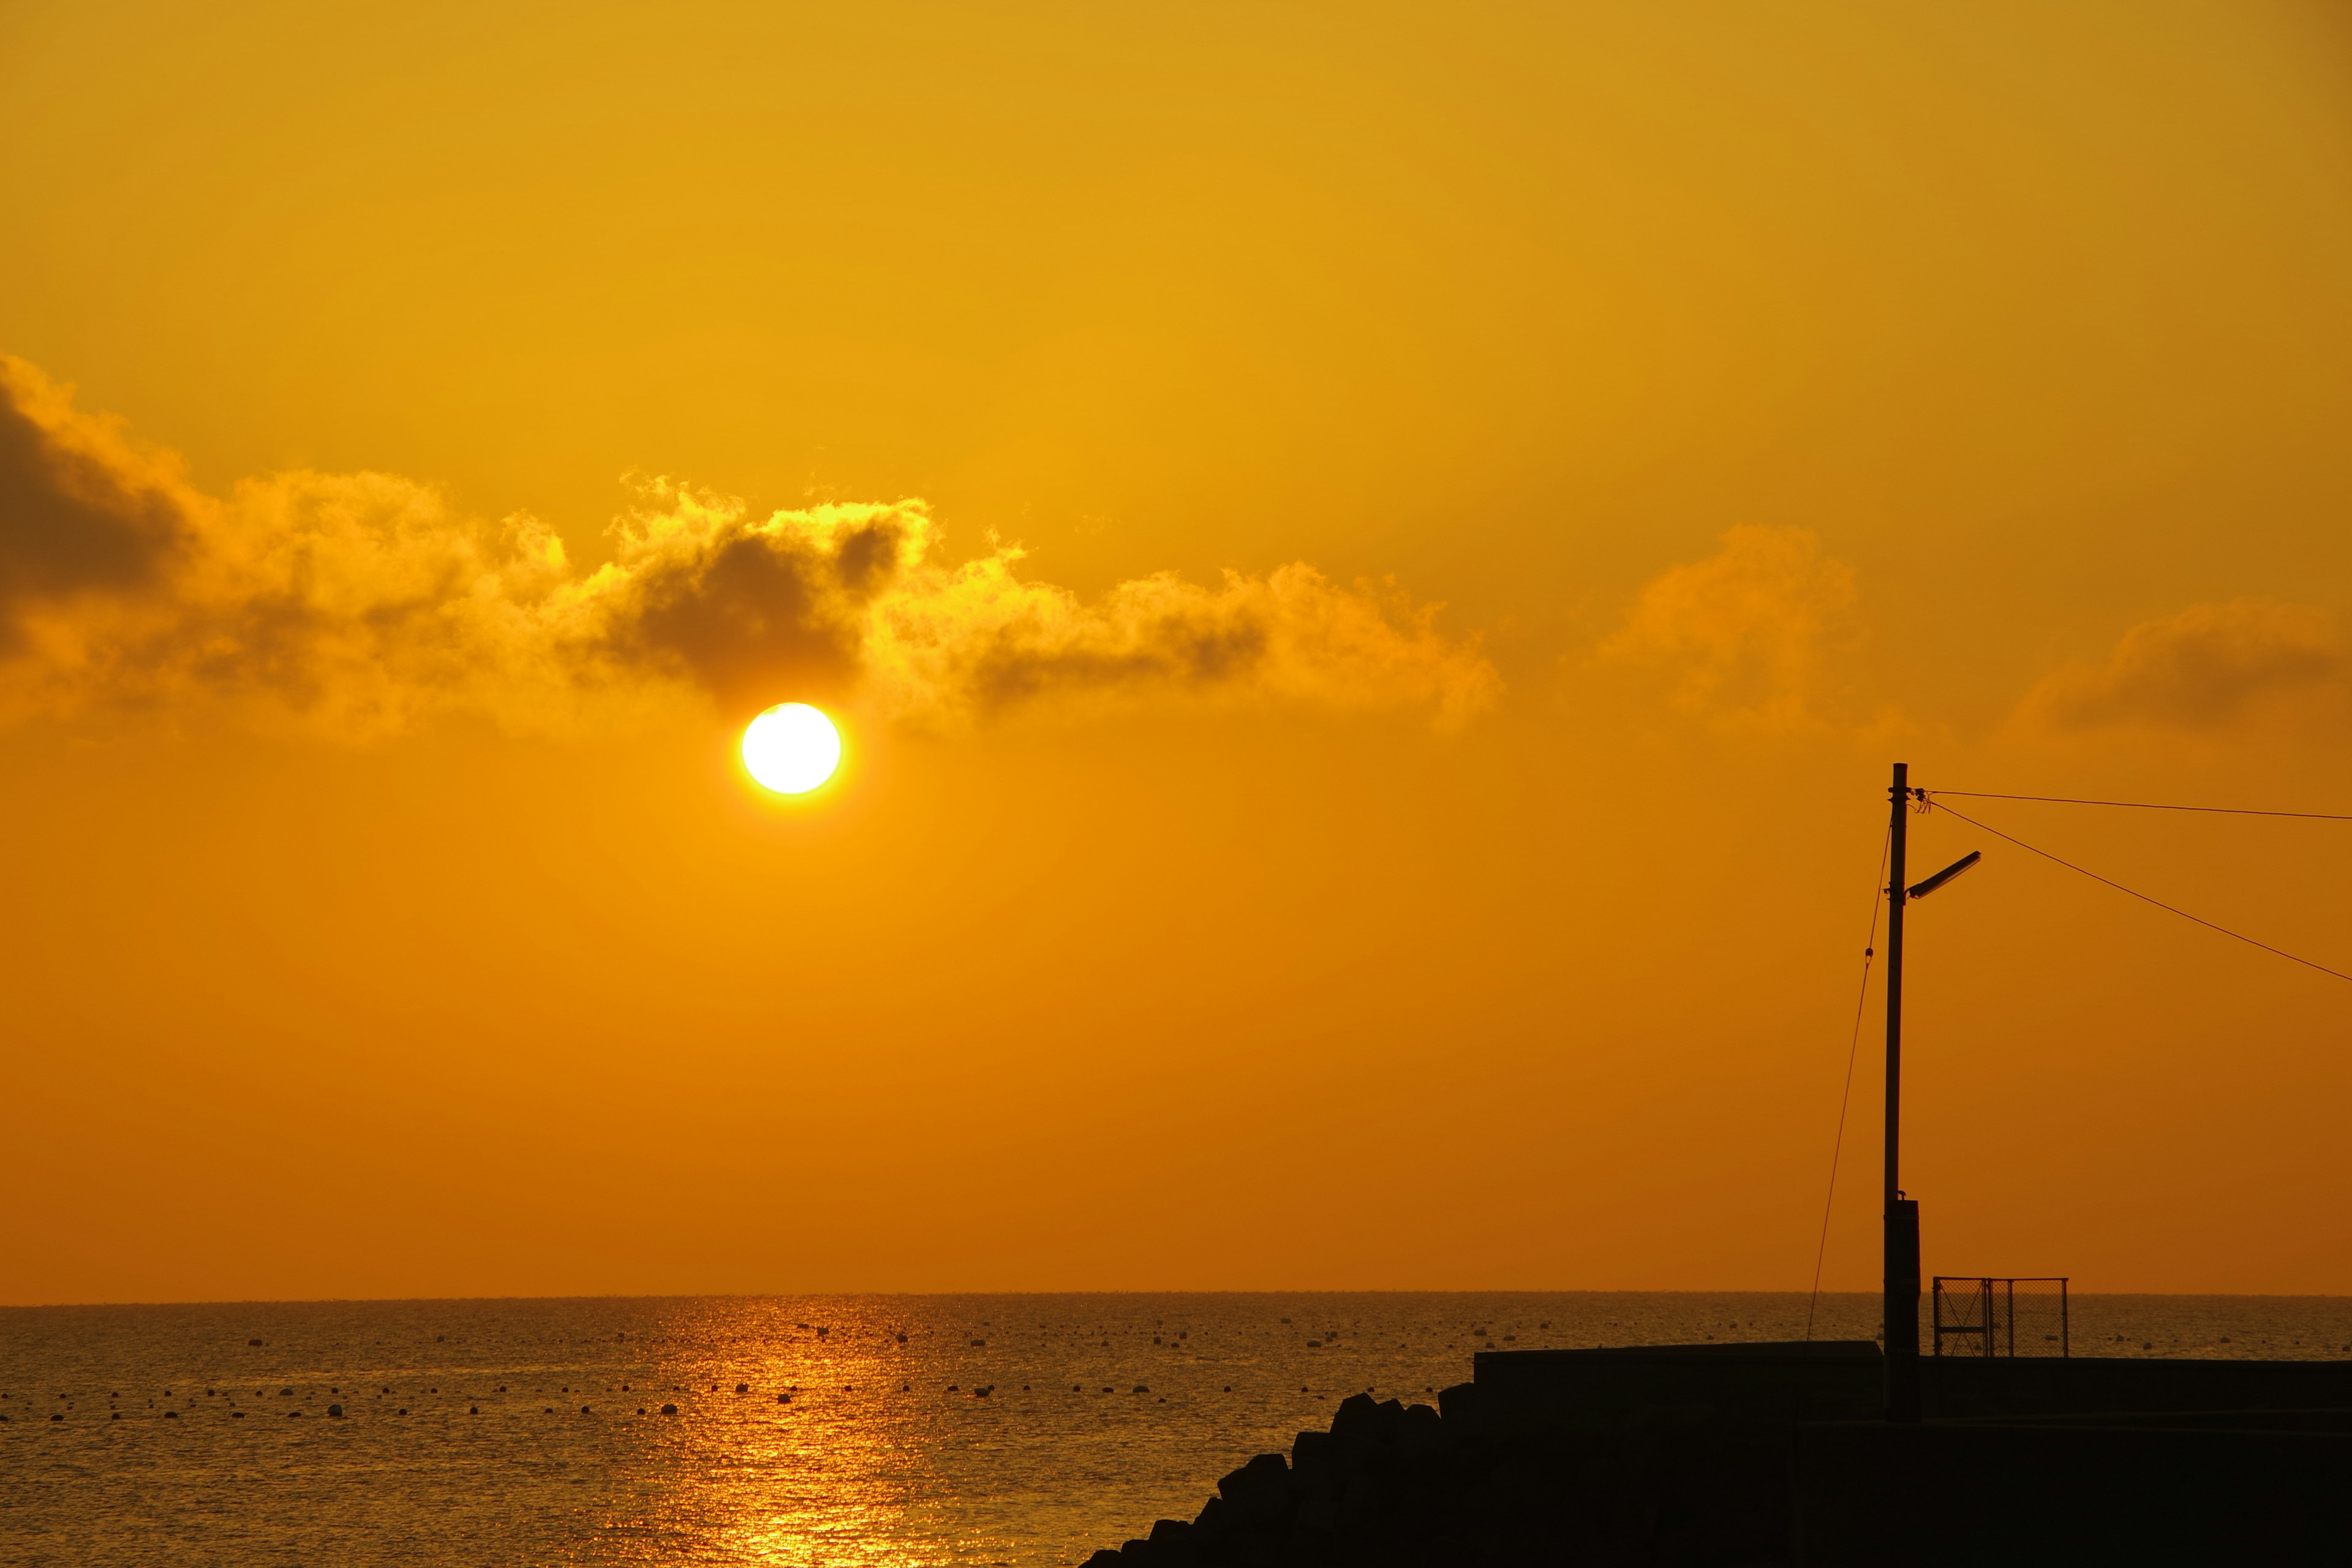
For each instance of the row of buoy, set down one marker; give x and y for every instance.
(980, 1392)
(784, 1397)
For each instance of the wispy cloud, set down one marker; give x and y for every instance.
(362, 604)
(2209, 667)
(1744, 634)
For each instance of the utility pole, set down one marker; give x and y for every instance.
(1902, 1213)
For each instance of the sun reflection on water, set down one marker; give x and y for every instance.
(836, 1473)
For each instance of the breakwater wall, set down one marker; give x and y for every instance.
(1723, 1454)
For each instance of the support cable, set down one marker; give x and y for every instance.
(1845, 1096)
(1934, 797)
(2149, 805)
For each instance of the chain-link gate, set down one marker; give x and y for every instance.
(1987, 1316)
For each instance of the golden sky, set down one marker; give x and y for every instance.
(1370, 561)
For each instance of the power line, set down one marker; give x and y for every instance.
(2149, 805)
(2144, 898)
(1845, 1097)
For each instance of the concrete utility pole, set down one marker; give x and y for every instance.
(1902, 1213)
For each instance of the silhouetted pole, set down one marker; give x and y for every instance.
(1902, 1215)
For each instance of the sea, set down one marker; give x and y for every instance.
(1025, 1430)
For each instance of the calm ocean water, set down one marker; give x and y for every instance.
(912, 1430)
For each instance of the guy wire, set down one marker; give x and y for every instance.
(1935, 796)
(1845, 1096)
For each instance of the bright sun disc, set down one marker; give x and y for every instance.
(791, 749)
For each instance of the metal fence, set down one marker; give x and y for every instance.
(1989, 1317)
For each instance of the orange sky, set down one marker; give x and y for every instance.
(1371, 561)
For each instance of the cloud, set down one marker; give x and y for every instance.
(81, 509)
(1743, 634)
(2211, 667)
(364, 603)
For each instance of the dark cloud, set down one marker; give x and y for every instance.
(2207, 668)
(79, 508)
(760, 617)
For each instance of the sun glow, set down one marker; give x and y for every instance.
(791, 749)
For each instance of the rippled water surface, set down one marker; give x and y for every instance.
(847, 1429)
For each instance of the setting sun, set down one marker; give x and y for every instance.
(1423, 601)
(791, 749)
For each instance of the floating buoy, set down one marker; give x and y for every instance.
(669, 1409)
(742, 1388)
(335, 1410)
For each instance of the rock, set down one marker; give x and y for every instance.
(1465, 1409)
(1314, 1453)
(1172, 1545)
(1423, 1432)
(1358, 1421)
(1259, 1491)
